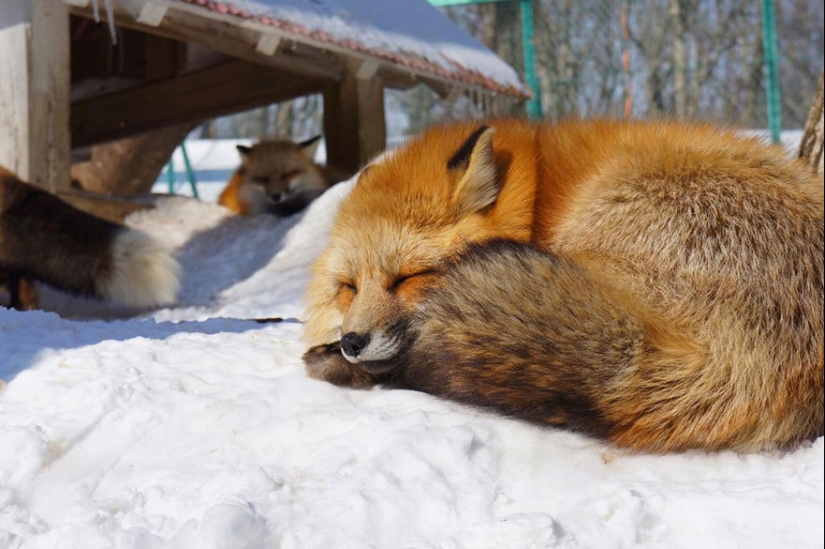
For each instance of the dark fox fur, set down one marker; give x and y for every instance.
(43, 238)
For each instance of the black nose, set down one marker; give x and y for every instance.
(352, 344)
(276, 197)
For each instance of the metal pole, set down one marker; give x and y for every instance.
(170, 175)
(534, 110)
(190, 173)
(771, 70)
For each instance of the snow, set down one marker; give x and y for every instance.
(194, 427)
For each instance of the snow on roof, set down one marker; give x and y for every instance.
(410, 33)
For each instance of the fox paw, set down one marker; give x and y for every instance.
(325, 362)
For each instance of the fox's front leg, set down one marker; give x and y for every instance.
(325, 362)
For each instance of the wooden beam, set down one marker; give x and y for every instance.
(241, 42)
(268, 43)
(354, 125)
(164, 58)
(195, 96)
(149, 13)
(35, 91)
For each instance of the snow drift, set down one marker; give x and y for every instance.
(194, 427)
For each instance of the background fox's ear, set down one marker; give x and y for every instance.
(244, 152)
(479, 185)
(309, 147)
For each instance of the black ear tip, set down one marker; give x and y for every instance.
(310, 141)
(243, 149)
(462, 155)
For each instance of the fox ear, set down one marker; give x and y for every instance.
(479, 185)
(244, 152)
(309, 147)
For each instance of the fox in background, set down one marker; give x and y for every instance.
(658, 285)
(277, 177)
(43, 238)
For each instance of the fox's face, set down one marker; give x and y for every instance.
(277, 171)
(406, 215)
(376, 293)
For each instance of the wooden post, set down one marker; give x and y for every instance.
(35, 91)
(354, 126)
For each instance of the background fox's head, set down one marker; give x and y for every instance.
(276, 171)
(407, 213)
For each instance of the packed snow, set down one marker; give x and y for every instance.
(195, 427)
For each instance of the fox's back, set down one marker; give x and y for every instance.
(720, 234)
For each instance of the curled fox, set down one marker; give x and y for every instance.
(658, 285)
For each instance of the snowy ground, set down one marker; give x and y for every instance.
(195, 428)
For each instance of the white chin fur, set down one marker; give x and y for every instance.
(144, 273)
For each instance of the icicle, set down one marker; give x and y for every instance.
(108, 5)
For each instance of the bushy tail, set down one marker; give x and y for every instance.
(44, 238)
(539, 337)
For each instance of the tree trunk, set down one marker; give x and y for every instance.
(679, 59)
(129, 166)
(284, 119)
(811, 148)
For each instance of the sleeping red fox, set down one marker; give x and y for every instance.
(277, 177)
(658, 285)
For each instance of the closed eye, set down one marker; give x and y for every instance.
(400, 280)
(350, 286)
(260, 180)
(290, 174)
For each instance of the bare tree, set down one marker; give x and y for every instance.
(679, 59)
(811, 148)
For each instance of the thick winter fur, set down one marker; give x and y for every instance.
(277, 177)
(671, 298)
(45, 239)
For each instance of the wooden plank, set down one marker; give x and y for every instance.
(354, 124)
(367, 69)
(164, 58)
(148, 12)
(231, 39)
(305, 56)
(200, 95)
(268, 43)
(35, 91)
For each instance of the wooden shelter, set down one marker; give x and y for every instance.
(66, 85)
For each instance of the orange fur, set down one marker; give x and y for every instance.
(230, 197)
(704, 247)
